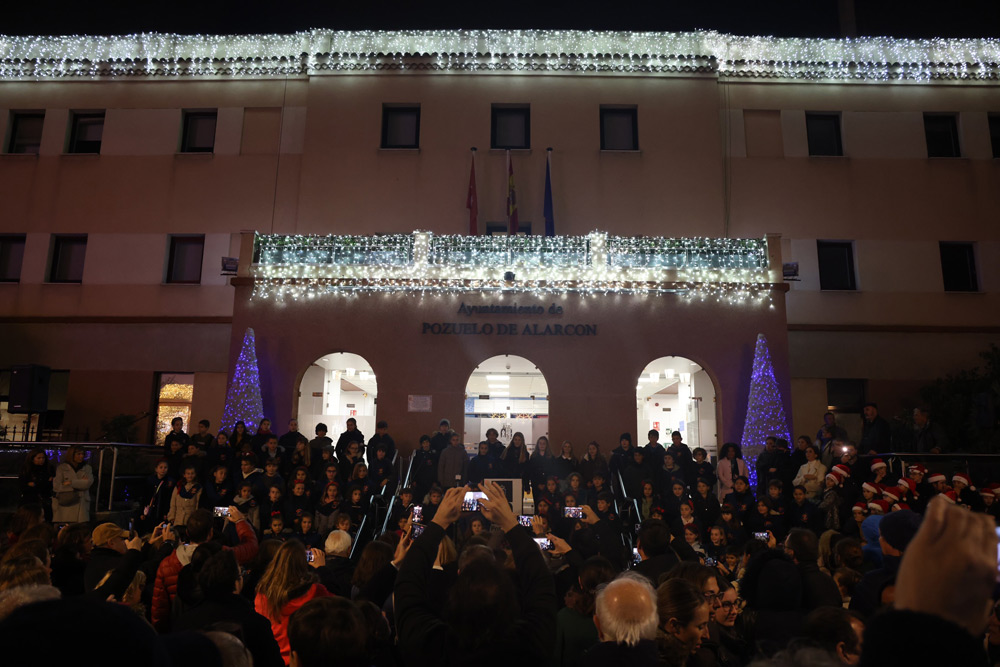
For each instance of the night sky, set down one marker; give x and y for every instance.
(804, 18)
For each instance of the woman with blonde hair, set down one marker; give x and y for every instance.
(287, 584)
(71, 487)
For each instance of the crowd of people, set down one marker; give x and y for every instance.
(240, 553)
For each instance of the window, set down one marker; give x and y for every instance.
(400, 126)
(619, 129)
(25, 132)
(11, 254)
(500, 228)
(942, 135)
(184, 260)
(845, 394)
(86, 132)
(836, 265)
(68, 253)
(958, 265)
(823, 134)
(199, 132)
(510, 126)
(174, 395)
(995, 134)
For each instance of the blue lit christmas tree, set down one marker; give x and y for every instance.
(765, 411)
(243, 400)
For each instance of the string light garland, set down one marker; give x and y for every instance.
(243, 400)
(765, 412)
(304, 267)
(321, 51)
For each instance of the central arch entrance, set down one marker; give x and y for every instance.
(510, 394)
(676, 394)
(335, 388)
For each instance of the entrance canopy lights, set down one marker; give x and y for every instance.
(732, 270)
(329, 51)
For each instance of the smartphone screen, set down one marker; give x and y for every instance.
(763, 537)
(524, 520)
(573, 512)
(544, 543)
(418, 514)
(310, 556)
(636, 558)
(471, 501)
(417, 530)
(221, 511)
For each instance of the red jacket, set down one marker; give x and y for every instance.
(165, 586)
(280, 628)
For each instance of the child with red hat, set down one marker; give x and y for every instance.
(966, 493)
(879, 472)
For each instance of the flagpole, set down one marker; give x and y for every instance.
(472, 199)
(548, 210)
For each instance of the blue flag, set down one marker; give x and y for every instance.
(547, 213)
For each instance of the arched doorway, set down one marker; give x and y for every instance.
(510, 394)
(334, 388)
(677, 394)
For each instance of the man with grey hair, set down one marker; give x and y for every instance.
(626, 620)
(335, 574)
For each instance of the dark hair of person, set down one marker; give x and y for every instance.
(814, 448)
(36, 548)
(692, 572)
(678, 599)
(848, 553)
(482, 605)
(45, 532)
(595, 571)
(218, 575)
(777, 483)
(424, 438)
(374, 557)
(325, 627)
(199, 526)
(654, 537)
(848, 578)
(205, 423)
(804, 544)
(73, 537)
(800, 487)
(29, 466)
(754, 546)
(382, 424)
(23, 570)
(723, 453)
(829, 626)
(26, 516)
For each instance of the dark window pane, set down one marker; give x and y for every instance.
(88, 129)
(400, 127)
(845, 394)
(184, 263)
(836, 265)
(500, 228)
(958, 266)
(68, 254)
(995, 134)
(199, 132)
(26, 132)
(942, 135)
(619, 130)
(511, 127)
(11, 255)
(823, 134)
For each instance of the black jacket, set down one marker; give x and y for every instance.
(233, 609)
(336, 575)
(818, 588)
(867, 595)
(603, 654)
(102, 560)
(912, 638)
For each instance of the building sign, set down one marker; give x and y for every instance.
(508, 329)
(508, 309)
(418, 403)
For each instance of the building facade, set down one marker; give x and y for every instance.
(133, 165)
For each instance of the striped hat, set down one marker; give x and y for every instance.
(918, 467)
(893, 493)
(860, 507)
(842, 470)
(879, 506)
(910, 485)
(936, 477)
(961, 477)
(877, 463)
(871, 487)
(950, 496)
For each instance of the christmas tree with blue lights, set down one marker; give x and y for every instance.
(243, 400)
(765, 411)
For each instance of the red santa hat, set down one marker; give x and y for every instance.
(860, 507)
(950, 496)
(842, 470)
(871, 487)
(877, 463)
(910, 485)
(900, 506)
(918, 467)
(963, 478)
(834, 476)
(936, 477)
(893, 493)
(879, 506)
(987, 492)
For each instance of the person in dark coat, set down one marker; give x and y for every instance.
(424, 467)
(818, 588)
(442, 438)
(895, 532)
(875, 432)
(621, 456)
(659, 554)
(482, 465)
(35, 481)
(625, 613)
(683, 456)
(352, 434)
(495, 446)
(383, 438)
(222, 607)
(772, 588)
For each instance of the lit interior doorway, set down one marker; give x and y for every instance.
(676, 394)
(335, 388)
(507, 393)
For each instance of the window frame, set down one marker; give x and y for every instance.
(191, 114)
(954, 131)
(525, 110)
(74, 140)
(853, 274)
(16, 117)
(972, 266)
(173, 242)
(13, 239)
(387, 111)
(633, 113)
(57, 245)
(838, 132)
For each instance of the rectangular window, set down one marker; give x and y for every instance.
(199, 132)
(11, 255)
(500, 228)
(823, 134)
(958, 266)
(941, 130)
(995, 133)
(68, 254)
(845, 394)
(619, 129)
(836, 265)
(174, 395)
(400, 126)
(86, 132)
(184, 260)
(25, 132)
(510, 126)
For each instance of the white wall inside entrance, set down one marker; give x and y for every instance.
(676, 394)
(334, 388)
(507, 393)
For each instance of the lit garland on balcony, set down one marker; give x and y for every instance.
(327, 51)
(730, 271)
